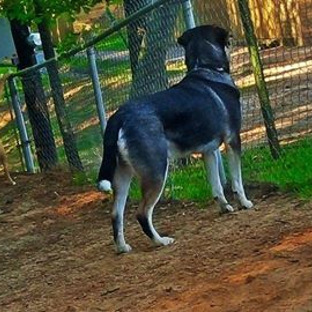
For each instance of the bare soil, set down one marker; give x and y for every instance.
(57, 253)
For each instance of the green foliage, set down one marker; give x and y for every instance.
(24, 10)
(67, 43)
(7, 68)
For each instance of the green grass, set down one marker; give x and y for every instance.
(188, 182)
(116, 42)
(291, 173)
(110, 67)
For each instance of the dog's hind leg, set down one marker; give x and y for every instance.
(212, 166)
(4, 161)
(234, 156)
(221, 168)
(152, 188)
(7, 173)
(121, 184)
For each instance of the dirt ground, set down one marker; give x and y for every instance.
(57, 253)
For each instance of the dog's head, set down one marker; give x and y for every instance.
(206, 47)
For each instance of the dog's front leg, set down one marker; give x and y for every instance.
(212, 165)
(234, 157)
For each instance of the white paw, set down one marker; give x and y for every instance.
(164, 241)
(247, 204)
(123, 248)
(226, 208)
(105, 186)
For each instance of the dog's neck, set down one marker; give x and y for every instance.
(221, 68)
(210, 67)
(212, 74)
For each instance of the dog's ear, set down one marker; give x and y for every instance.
(220, 34)
(214, 32)
(223, 35)
(186, 38)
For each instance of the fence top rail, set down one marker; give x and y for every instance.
(100, 37)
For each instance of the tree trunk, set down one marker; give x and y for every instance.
(291, 23)
(257, 67)
(136, 32)
(69, 139)
(37, 108)
(149, 71)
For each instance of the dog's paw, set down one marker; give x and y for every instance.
(123, 248)
(247, 204)
(164, 241)
(105, 186)
(226, 208)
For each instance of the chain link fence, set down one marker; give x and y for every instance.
(143, 57)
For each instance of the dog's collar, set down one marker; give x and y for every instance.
(218, 69)
(220, 76)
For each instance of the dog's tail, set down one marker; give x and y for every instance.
(109, 162)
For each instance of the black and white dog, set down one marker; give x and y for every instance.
(195, 115)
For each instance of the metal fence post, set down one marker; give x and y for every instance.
(97, 88)
(29, 161)
(257, 67)
(188, 14)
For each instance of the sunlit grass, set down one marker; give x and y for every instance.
(291, 172)
(115, 42)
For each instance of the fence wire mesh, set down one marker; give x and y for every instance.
(143, 58)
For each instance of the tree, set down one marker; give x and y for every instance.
(43, 13)
(149, 38)
(69, 140)
(291, 23)
(136, 32)
(35, 99)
